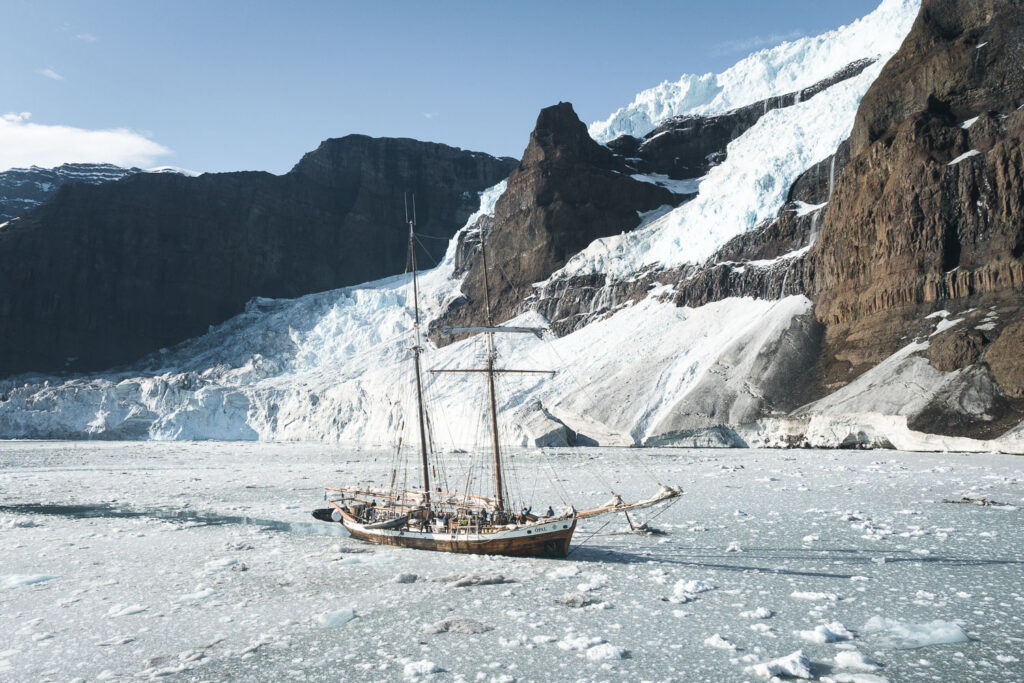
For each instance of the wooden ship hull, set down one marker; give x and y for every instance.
(541, 539)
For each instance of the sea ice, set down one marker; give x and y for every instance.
(717, 641)
(814, 595)
(580, 643)
(120, 610)
(855, 661)
(331, 619)
(827, 633)
(15, 580)
(904, 634)
(419, 668)
(795, 665)
(605, 651)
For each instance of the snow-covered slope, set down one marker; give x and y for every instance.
(786, 68)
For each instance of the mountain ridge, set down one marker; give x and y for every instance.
(825, 311)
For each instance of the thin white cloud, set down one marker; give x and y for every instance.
(51, 74)
(86, 37)
(23, 143)
(748, 45)
(430, 115)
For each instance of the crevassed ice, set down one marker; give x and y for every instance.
(776, 71)
(750, 186)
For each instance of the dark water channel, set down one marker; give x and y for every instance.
(109, 511)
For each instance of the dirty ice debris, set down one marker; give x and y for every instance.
(458, 625)
(404, 578)
(463, 580)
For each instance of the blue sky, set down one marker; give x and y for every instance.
(229, 85)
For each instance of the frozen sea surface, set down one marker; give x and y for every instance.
(199, 561)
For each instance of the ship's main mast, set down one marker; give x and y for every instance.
(490, 329)
(499, 489)
(421, 414)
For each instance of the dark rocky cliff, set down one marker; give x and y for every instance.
(929, 214)
(921, 211)
(101, 275)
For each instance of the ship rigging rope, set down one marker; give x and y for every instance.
(430, 403)
(572, 377)
(584, 541)
(562, 364)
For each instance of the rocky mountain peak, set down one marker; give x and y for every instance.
(560, 137)
(566, 192)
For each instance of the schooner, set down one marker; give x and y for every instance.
(432, 519)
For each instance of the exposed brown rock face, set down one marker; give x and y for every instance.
(566, 192)
(103, 274)
(956, 348)
(1005, 359)
(909, 231)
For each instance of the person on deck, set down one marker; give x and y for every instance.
(550, 512)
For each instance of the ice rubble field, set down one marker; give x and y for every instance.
(199, 561)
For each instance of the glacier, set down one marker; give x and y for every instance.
(748, 187)
(768, 73)
(334, 367)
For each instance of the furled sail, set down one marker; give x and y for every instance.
(616, 504)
